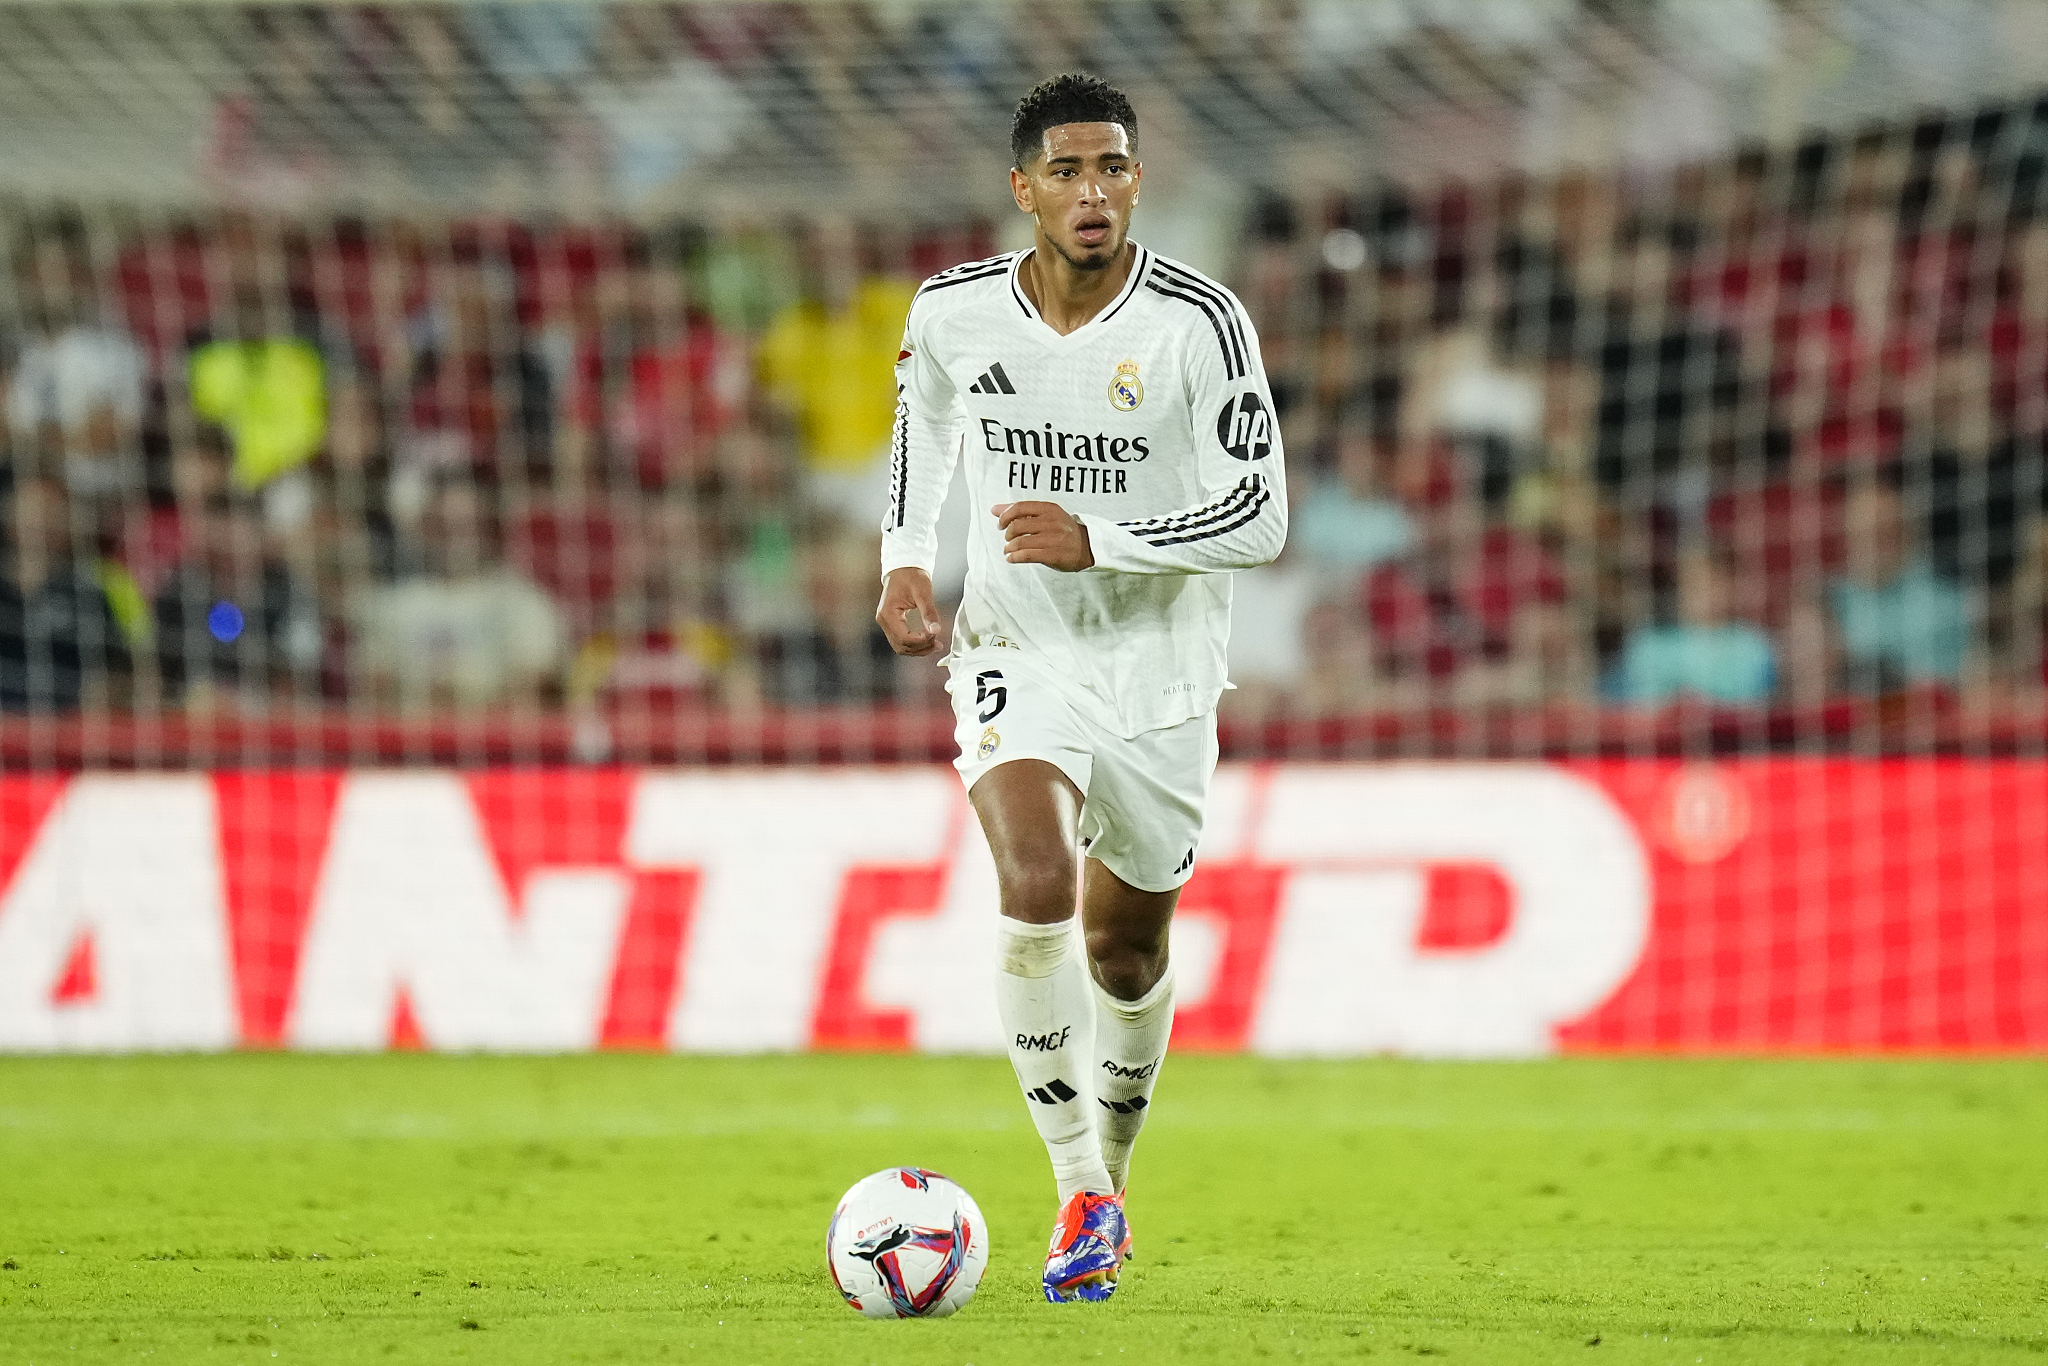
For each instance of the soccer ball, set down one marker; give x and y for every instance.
(906, 1243)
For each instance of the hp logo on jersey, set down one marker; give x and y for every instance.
(1245, 429)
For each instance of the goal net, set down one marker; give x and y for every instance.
(470, 419)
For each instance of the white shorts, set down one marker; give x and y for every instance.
(1143, 797)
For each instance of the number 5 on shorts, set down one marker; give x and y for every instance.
(996, 697)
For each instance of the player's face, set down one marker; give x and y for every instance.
(1081, 189)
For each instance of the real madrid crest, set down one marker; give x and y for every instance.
(989, 741)
(1125, 392)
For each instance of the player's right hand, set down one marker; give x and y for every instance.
(906, 615)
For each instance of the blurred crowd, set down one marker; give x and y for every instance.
(1762, 432)
(1766, 432)
(266, 463)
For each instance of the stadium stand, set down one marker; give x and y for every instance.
(486, 390)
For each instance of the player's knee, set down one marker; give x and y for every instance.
(1038, 891)
(1128, 962)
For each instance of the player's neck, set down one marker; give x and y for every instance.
(1067, 297)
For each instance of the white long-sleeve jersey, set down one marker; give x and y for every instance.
(1152, 424)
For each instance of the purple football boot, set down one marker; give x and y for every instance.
(1089, 1244)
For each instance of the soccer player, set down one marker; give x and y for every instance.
(1123, 459)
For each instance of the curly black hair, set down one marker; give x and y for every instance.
(1073, 98)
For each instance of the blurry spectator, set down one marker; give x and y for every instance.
(2009, 669)
(481, 398)
(577, 546)
(343, 540)
(468, 630)
(1348, 524)
(1662, 374)
(1339, 673)
(1489, 404)
(1322, 666)
(1901, 623)
(1980, 490)
(833, 652)
(1455, 600)
(656, 383)
(1269, 613)
(76, 396)
(1809, 652)
(757, 525)
(61, 640)
(266, 388)
(1268, 285)
(662, 637)
(1703, 653)
(2017, 336)
(351, 515)
(231, 616)
(1787, 532)
(829, 360)
(1558, 488)
(1547, 658)
(2021, 643)
(155, 540)
(745, 276)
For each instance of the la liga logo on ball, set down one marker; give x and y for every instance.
(1125, 392)
(906, 1243)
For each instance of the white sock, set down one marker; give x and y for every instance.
(1130, 1048)
(1048, 1030)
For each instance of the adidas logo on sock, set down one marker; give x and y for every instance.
(1053, 1092)
(992, 381)
(1122, 1107)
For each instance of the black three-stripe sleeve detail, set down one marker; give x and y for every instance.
(1215, 295)
(1158, 535)
(1201, 516)
(1230, 365)
(1230, 509)
(935, 283)
(974, 267)
(1265, 496)
(899, 464)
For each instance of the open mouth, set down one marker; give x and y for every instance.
(1092, 231)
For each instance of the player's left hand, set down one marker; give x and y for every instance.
(1043, 533)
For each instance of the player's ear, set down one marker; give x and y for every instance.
(1020, 190)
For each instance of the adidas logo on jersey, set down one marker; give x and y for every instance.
(992, 381)
(1053, 1092)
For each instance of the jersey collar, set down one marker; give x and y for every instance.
(1138, 269)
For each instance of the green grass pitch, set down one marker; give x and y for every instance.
(262, 1208)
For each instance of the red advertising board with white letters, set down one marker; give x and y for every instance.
(1428, 909)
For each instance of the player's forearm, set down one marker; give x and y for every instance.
(1240, 529)
(921, 457)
